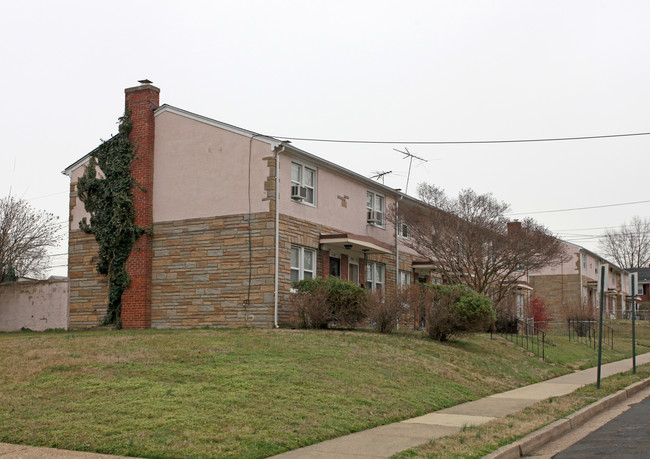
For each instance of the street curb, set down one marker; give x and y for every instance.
(553, 431)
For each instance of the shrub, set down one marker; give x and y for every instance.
(311, 308)
(384, 310)
(505, 323)
(344, 300)
(457, 309)
(579, 310)
(540, 313)
(418, 297)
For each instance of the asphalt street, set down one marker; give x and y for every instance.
(626, 436)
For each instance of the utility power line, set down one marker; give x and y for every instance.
(579, 208)
(460, 142)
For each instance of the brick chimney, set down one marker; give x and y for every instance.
(514, 228)
(136, 301)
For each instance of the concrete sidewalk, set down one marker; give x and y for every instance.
(384, 441)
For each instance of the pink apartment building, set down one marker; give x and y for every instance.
(236, 217)
(574, 283)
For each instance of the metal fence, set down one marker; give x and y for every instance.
(586, 331)
(522, 333)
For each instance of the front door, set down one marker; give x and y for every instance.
(335, 267)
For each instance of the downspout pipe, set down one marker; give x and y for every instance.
(277, 234)
(397, 223)
(580, 256)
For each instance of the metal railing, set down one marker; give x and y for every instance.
(586, 331)
(521, 333)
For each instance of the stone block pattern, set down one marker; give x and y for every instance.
(200, 272)
(88, 289)
(558, 291)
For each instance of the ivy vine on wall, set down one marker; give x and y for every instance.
(109, 200)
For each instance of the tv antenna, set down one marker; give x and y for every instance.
(410, 156)
(380, 175)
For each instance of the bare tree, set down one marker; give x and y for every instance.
(628, 247)
(25, 236)
(467, 237)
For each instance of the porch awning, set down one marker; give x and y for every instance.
(423, 264)
(355, 243)
(523, 285)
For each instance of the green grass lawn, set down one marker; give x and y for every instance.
(577, 355)
(242, 393)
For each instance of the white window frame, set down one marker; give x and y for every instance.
(404, 278)
(301, 269)
(376, 205)
(401, 226)
(519, 301)
(375, 276)
(301, 181)
(355, 279)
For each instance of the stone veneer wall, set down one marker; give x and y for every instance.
(201, 272)
(88, 289)
(558, 291)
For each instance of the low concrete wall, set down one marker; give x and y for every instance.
(37, 305)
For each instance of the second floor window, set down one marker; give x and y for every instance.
(303, 183)
(375, 209)
(402, 230)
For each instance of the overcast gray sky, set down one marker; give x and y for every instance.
(370, 70)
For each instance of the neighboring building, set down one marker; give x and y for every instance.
(642, 298)
(643, 287)
(236, 217)
(573, 285)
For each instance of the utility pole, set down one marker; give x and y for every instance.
(604, 269)
(634, 281)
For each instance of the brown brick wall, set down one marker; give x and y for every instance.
(88, 289)
(136, 300)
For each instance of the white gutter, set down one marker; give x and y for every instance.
(277, 234)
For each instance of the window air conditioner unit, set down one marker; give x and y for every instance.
(298, 192)
(372, 217)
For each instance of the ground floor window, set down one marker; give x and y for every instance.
(303, 263)
(353, 273)
(520, 305)
(404, 278)
(375, 275)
